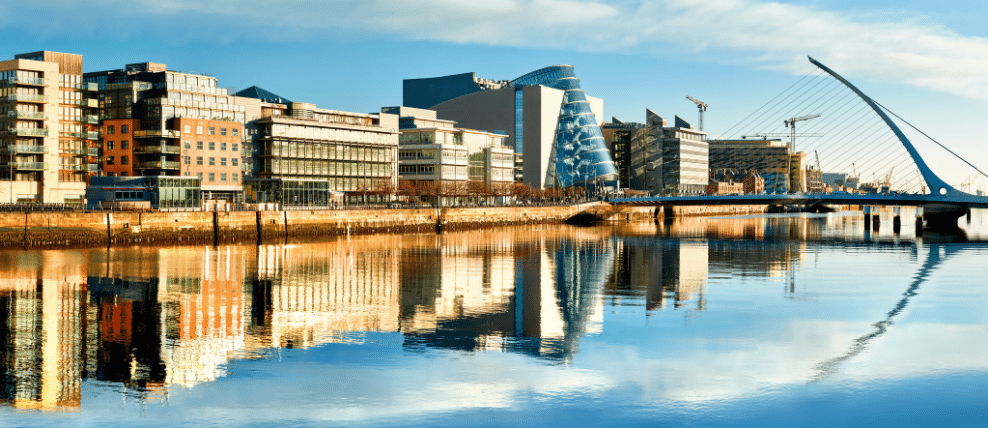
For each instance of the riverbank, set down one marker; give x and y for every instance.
(75, 229)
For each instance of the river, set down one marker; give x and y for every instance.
(768, 320)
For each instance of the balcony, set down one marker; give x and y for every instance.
(172, 150)
(72, 102)
(72, 167)
(90, 135)
(29, 166)
(91, 118)
(74, 151)
(91, 103)
(90, 86)
(92, 167)
(24, 149)
(159, 165)
(34, 115)
(28, 132)
(32, 81)
(92, 151)
(168, 133)
(28, 98)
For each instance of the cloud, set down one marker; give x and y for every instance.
(892, 47)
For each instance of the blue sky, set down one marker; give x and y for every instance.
(926, 61)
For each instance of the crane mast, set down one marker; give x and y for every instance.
(701, 106)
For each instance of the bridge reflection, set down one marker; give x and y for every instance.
(150, 319)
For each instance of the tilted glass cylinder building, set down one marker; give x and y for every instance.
(548, 119)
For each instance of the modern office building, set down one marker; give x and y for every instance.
(768, 157)
(306, 156)
(159, 122)
(144, 192)
(48, 129)
(656, 158)
(548, 119)
(447, 164)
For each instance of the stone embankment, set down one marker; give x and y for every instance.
(62, 229)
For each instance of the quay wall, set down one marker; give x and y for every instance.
(67, 229)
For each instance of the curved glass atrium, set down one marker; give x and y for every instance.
(579, 153)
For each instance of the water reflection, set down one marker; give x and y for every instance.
(149, 319)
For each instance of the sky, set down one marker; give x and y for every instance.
(927, 61)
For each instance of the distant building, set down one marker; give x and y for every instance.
(659, 159)
(456, 164)
(548, 119)
(754, 183)
(768, 157)
(724, 188)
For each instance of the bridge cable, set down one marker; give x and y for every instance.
(931, 139)
(769, 101)
(774, 111)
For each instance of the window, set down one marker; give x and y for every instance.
(222, 146)
(199, 145)
(199, 129)
(124, 129)
(212, 177)
(234, 146)
(188, 144)
(124, 145)
(109, 129)
(199, 175)
(223, 177)
(234, 177)
(212, 161)
(212, 131)
(109, 160)
(188, 160)
(222, 131)
(198, 160)
(233, 161)
(236, 133)
(222, 161)
(188, 174)
(187, 129)
(124, 160)
(109, 145)
(212, 145)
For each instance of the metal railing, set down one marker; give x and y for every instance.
(159, 149)
(37, 81)
(72, 167)
(26, 149)
(160, 165)
(91, 118)
(32, 98)
(168, 133)
(35, 115)
(90, 135)
(74, 151)
(32, 166)
(92, 151)
(92, 167)
(29, 132)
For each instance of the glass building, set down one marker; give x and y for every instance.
(579, 154)
(550, 122)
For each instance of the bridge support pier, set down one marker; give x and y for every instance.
(896, 221)
(943, 216)
(876, 220)
(867, 218)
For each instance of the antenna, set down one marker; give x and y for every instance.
(701, 106)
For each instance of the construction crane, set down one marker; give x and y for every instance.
(701, 106)
(791, 123)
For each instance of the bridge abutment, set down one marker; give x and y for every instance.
(943, 216)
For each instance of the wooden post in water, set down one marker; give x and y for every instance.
(896, 221)
(867, 217)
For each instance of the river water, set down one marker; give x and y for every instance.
(772, 320)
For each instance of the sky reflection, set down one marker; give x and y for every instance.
(637, 320)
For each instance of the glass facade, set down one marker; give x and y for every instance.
(579, 154)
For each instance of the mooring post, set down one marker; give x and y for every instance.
(896, 221)
(867, 217)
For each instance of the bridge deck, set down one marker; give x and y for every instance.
(809, 199)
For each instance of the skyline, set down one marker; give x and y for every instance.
(922, 62)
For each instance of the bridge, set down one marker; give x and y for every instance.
(854, 141)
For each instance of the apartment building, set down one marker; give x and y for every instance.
(48, 129)
(160, 122)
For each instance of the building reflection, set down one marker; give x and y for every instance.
(151, 318)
